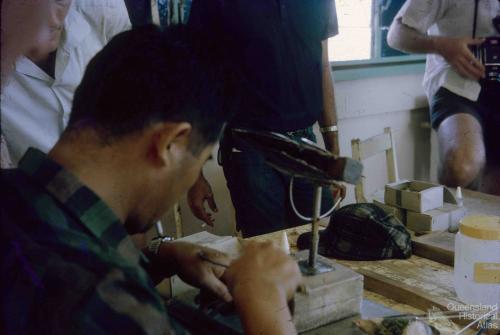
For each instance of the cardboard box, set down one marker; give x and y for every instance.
(446, 218)
(416, 196)
(399, 213)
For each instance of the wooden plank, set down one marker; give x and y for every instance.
(437, 246)
(392, 162)
(359, 188)
(417, 282)
(374, 145)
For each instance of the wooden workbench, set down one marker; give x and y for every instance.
(417, 284)
(411, 286)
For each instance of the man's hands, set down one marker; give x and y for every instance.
(457, 53)
(193, 269)
(263, 268)
(261, 282)
(197, 195)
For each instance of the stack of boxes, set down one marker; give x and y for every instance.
(421, 207)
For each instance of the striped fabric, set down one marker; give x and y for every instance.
(68, 265)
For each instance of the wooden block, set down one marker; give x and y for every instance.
(328, 296)
(315, 318)
(437, 246)
(399, 213)
(417, 196)
(441, 219)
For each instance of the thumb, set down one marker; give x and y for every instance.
(218, 288)
(211, 203)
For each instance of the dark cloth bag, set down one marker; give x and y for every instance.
(362, 232)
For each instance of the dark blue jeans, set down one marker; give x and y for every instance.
(260, 193)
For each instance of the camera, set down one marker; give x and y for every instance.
(488, 53)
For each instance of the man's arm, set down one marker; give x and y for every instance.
(187, 260)
(261, 282)
(198, 194)
(454, 50)
(329, 115)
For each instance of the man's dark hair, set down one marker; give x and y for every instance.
(147, 75)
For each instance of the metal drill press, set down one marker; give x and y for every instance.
(330, 291)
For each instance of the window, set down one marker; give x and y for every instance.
(363, 27)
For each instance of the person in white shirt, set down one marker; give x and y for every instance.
(465, 108)
(18, 38)
(37, 98)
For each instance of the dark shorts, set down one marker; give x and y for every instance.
(486, 110)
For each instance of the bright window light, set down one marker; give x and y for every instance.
(354, 40)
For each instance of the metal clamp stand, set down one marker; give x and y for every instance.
(304, 159)
(313, 266)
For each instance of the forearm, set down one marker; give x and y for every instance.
(410, 40)
(265, 313)
(329, 115)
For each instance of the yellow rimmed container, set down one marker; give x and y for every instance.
(477, 260)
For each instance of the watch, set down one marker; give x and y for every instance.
(329, 129)
(154, 245)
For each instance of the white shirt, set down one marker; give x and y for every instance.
(36, 107)
(452, 18)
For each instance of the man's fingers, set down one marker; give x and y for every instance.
(217, 287)
(208, 219)
(203, 215)
(211, 203)
(199, 212)
(475, 41)
(471, 71)
(218, 257)
(461, 70)
(479, 68)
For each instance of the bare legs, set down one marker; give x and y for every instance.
(463, 155)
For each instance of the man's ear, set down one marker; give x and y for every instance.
(168, 139)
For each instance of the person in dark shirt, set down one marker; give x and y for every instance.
(282, 48)
(144, 121)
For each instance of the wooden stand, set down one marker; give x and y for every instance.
(327, 297)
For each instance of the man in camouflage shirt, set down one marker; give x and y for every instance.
(144, 120)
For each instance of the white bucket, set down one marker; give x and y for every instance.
(477, 260)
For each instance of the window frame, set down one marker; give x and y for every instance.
(378, 67)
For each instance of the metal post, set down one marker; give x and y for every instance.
(159, 228)
(313, 252)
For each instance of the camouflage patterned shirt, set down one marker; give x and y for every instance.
(68, 265)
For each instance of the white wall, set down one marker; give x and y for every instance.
(365, 107)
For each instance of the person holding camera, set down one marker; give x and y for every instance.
(463, 98)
